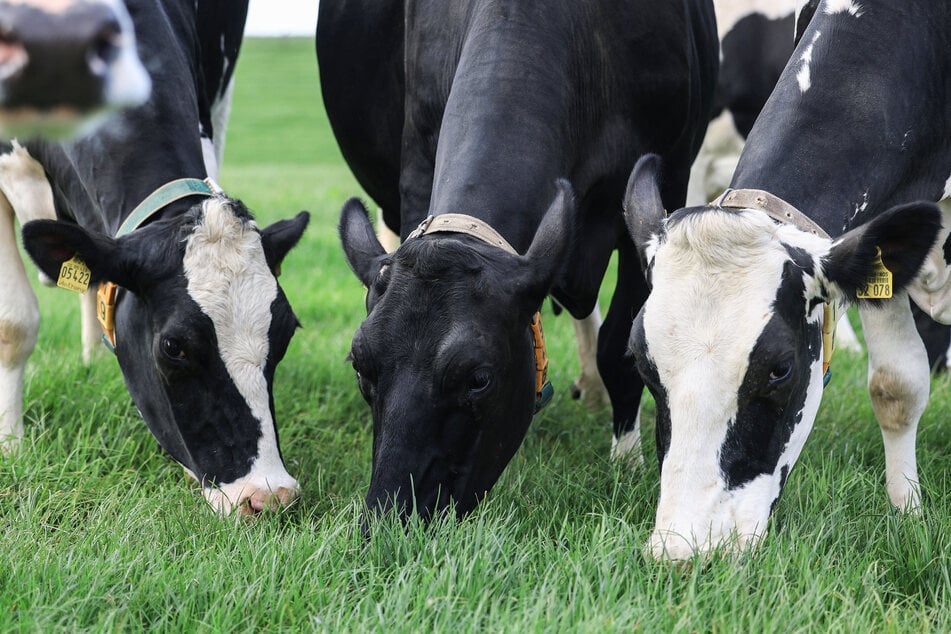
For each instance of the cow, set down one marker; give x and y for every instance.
(756, 40)
(499, 150)
(64, 64)
(828, 206)
(197, 318)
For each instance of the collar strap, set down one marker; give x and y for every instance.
(784, 213)
(157, 200)
(773, 206)
(164, 196)
(461, 223)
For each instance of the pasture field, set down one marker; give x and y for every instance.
(100, 531)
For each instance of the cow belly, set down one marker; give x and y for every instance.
(931, 290)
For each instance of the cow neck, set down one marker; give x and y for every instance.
(782, 212)
(469, 225)
(106, 296)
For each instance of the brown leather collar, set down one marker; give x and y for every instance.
(461, 223)
(773, 206)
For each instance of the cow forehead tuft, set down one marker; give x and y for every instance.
(720, 239)
(222, 220)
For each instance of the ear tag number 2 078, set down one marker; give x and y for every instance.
(74, 275)
(878, 285)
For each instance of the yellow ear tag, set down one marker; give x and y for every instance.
(74, 275)
(879, 282)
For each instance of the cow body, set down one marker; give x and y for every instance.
(65, 62)
(729, 338)
(495, 103)
(200, 320)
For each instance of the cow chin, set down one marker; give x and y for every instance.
(728, 522)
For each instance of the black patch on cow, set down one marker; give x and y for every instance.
(783, 475)
(805, 17)
(768, 412)
(648, 371)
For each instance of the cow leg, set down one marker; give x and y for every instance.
(24, 192)
(898, 382)
(91, 332)
(588, 386)
(19, 324)
(621, 378)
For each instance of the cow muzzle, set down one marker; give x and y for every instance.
(252, 496)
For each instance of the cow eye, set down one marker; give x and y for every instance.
(479, 381)
(172, 348)
(780, 372)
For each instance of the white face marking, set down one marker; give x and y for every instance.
(705, 314)
(843, 6)
(229, 279)
(804, 76)
(729, 12)
(947, 188)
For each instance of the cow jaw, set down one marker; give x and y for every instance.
(705, 329)
(229, 279)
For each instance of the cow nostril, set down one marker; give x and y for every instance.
(265, 500)
(13, 57)
(104, 48)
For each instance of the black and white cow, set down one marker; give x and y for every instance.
(729, 340)
(496, 102)
(756, 40)
(200, 319)
(65, 62)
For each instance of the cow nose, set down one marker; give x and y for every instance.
(49, 57)
(13, 56)
(103, 47)
(262, 500)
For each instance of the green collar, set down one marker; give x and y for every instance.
(164, 196)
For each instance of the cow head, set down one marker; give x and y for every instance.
(201, 324)
(445, 356)
(729, 344)
(64, 61)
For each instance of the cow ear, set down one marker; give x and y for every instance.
(360, 244)
(643, 209)
(905, 234)
(52, 242)
(279, 238)
(546, 256)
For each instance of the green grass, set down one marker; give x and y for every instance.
(99, 531)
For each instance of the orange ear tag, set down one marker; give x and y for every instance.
(74, 275)
(106, 313)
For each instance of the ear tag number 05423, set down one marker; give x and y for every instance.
(878, 285)
(74, 275)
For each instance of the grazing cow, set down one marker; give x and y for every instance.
(463, 148)
(65, 62)
(729, 340)
(200, 322)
